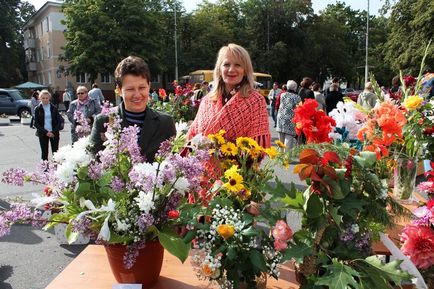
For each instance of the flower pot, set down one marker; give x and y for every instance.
(404, 176)
(146, 268)
(25, 120)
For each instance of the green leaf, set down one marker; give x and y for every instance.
(82, 173)
(189, 236)
(389, 272)
(249, 232)
(258, 260)
(82, 189)
(174, 244)
(338, 276)
(336, 217)
(297, 252)
(337, 192)
(70, 235)
(105, 179)
(314, 206)
(232, 253)
(294, 202)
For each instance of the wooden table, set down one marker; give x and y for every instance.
(90, 270)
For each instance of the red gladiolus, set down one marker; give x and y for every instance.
(314, 124)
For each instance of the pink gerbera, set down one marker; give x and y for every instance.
(418, 245)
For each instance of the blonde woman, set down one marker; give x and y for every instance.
(233, 104)
(47, 124)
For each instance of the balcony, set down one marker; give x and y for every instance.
(29, 43)
(31, 66)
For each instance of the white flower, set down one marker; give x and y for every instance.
(39, 201)
(122, 225)
(104, 234)
(355, 228)
(62, 153)
(146, 168)
(181, 185)
(181, 127)
(65, 172)
(144, 201)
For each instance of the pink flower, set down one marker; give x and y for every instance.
(253, 209)
(418, 245)
(280, 245)
(282, 233)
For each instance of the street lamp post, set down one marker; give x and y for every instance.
(367, 41)
(176, 48)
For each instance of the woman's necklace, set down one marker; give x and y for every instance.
(228, 95)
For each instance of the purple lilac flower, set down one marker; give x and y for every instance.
(144, 221)
(107, 158)
(139, 180)
(14, 177)
(129, 142)
(83, 129)
(95, 170)
(83, 226)
(19, 212)
(5, 226)
(117, 184)
(165, 149)
(363, 243)
(172, 204)
(107, 108)
(131, 254)
(38, 221)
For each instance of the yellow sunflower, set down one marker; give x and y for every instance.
(235, 180)
(280, 144)
(229, 149)
(246, 143)
(217, 138)
(271, 152)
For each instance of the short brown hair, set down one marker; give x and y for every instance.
(132, 65)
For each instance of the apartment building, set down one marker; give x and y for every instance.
(43, 41)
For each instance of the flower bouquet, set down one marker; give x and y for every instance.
(343, 211)
(239, 237)
(114, 197)
(180, 106)
(417, 240)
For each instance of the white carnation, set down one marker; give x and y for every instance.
(65, 172)
(144, 202)
(181, 127)
(62, 153)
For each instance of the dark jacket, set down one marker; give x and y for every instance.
(156, 128)
(40, 120)
(332, 100)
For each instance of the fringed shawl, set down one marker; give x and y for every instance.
(240, 116)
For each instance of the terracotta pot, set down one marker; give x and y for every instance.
(145, 270)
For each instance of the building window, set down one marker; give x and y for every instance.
(49, 77)
(46, 25)
(42, 53)
(80, 78)
(48, 50)
(105, 77)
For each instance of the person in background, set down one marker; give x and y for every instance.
(47, 124)
(96, 94)
(333, 97)
(34, 101)
(67, 97)
(233, 104)
(133, 80)
(197, 92)
(284, 89)
(285, 126)
(305, 91)
(55, 99)
(84, 107)
(367, 98)
(272, 96)
(319, 97)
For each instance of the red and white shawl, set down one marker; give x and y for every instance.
(239, 117)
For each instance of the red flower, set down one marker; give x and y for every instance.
(409, 80)
(48, 191)
(314, 124)
(173, 214)
(430, 204)
(418, 245)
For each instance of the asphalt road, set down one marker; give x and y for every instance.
(31, 258)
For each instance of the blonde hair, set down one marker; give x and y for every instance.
(241, 54)
(82, 87)
(44, 91)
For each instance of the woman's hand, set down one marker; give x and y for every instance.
(50, 134)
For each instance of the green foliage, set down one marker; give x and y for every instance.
(174, 244)
(339, 276)
(13, 15)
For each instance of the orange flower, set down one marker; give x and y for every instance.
(226, 231)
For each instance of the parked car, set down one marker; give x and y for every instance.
(12, 103)
(351, 93)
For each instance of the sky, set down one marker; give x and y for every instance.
(318, 5)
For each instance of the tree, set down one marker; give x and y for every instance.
(102, 32)
(411, 27)
(13, 15)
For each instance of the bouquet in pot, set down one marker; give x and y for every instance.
(231, 217)
(115, 197)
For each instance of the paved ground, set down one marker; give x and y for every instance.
(31, 258)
